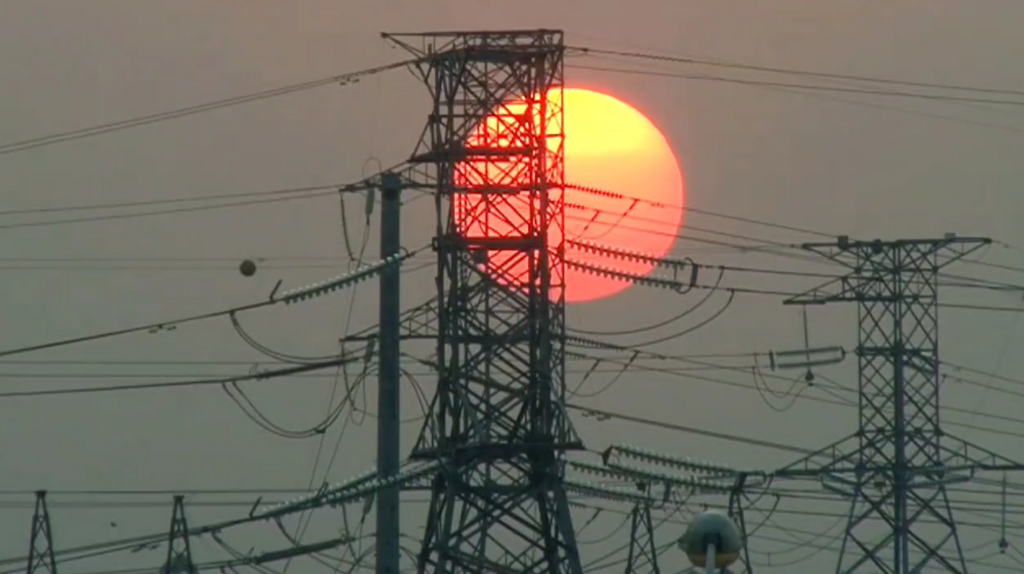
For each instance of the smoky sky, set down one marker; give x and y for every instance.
(839, 163)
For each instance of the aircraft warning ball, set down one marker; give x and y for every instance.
(711, 528)
(247, 268)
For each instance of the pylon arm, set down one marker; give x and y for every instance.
(629, 254)
(694, 485)
(958, 247)
(610, 493)
(276, 555)
(645, 280)
(643, 455)
(353, 489)
(342, 281)
(873, 263)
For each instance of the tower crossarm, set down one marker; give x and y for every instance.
(671, 482)
(955, 247)
(618, 452)
(278, 555)
(342, 281)
(645, 280)
(873, 263)
(610, 493)
(356, 488)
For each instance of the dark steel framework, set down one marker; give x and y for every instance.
(642, 556)
(40, 551)
(895, 468)
(497, 424)
(179, 549)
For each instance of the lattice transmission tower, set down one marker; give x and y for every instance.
(40, 551)
(895, 468)
(179, 547)
(493, 149)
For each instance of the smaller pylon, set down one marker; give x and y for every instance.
(40, 551)
(643, 552)
(737, 496)
(179, 551)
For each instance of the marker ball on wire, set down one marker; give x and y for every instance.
(247, 268)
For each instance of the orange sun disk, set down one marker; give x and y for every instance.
(609, 146)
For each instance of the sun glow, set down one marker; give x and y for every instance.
(609, 146)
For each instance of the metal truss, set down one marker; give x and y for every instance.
(643, 550)
(179, 550)
(497, 425)
(40, 551)
(895, 468)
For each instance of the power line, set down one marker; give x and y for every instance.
(258, 376)
(171, 211)
(687, 373)
(287, 194)
(776, 249)
(179, 362)
(151, 327)
(798, 72)
(174, 200)
(233, 268)
(837, 401)
(768, 247)
(690, 430)
(807, 87)
(173, 324)
(100, 129)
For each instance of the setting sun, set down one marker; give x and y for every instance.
(609, 146)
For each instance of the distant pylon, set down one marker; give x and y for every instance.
(179, 551)
(896, 467)
(737, 496)
(40, 551)
(643, 551)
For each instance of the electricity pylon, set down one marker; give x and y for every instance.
(40, 550)
(179, 550)
(642, 557)
(497, 424)
(895, 468)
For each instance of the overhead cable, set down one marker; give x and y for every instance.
(291, 296)
(254, 376)
(807, 87)
(796, 72)
(100, 129)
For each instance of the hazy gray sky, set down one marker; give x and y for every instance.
(840, 163)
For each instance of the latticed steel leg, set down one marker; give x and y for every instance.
(40, 551)
(643, 550)
(179, 550)
(497, 423)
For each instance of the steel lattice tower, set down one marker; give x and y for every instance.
(642, 557)
(895, 468)
(497, 424)
(179, 550)
(40, 551)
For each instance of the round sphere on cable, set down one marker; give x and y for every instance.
(716, 528)
(247, 268)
